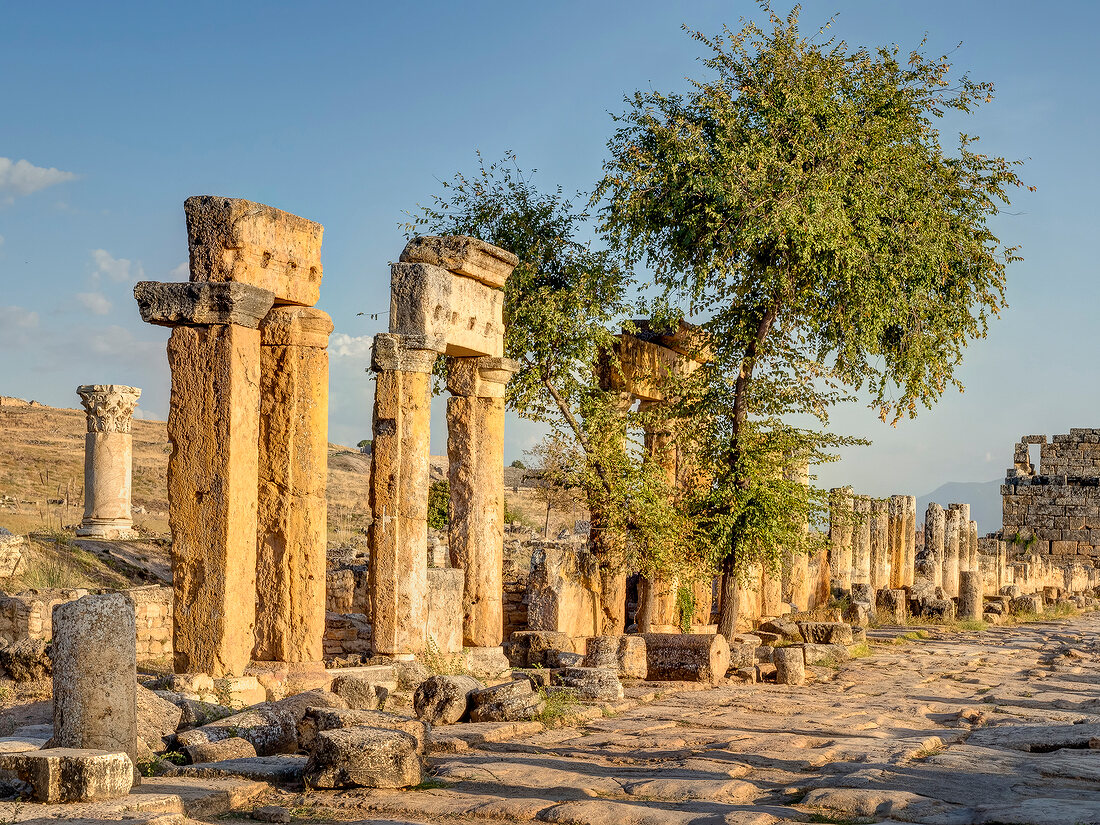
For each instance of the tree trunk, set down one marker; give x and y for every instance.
(727, 611)
(612, 594)
(644, 617)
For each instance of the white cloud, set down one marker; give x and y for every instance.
(21, 177)
(181, 272)
(1, 240)
(16, 324)
(342, 345)
(119, 270)
(95, 302)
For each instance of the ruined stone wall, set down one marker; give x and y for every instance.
(1054, 510)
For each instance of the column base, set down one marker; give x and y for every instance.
(282, 679)
(108, 531)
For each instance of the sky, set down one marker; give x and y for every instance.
(352, 114)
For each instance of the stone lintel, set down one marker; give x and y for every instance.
(463, 255)
(683, 338)
(231, 239)
(401, 353)
(202, 304)
(295, 326)
(109, 407)
(456, 315)
(480, 377)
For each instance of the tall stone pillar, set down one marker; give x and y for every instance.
(970, 595)
(933, 540)
(840, 540)
(213, 429)
(399, 494)
(108, 460)
(880, 544)
(972, 534)
(951, 530)
(861, 541)
(475, 451)
(909, 538)
(896, 533)
(293, 469)
(657, 611)
(964, 534)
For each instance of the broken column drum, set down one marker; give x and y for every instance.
(108, 460)
(446, 298)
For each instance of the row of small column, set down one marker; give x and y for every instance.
(951, 545)
(248, 429)
(871, 541)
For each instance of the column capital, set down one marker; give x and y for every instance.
(403, 353)
(295, 326)
(109, 407)
(480, 376)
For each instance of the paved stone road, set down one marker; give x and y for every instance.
(989, 727)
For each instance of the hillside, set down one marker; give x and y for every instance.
(984, 498)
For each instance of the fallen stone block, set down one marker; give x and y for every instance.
(72, 774)
(157, 718)
(358, 693)
(317, 720)
(592, 684)
(200, 304)
(281, 769)
(297, 705)
(1031, 603)
(444, 700)
(825, 654)
(528, 648)
(12, 562)
(233, 748)
(891, 607)
(486, 662)
(686, 657)
(193, 712)
(623, 654)
(509, 709)
(790, 665)
(364, 757)
(27, 660)
(269, 729)
(826, 633)
(784, 628)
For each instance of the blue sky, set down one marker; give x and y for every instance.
(351, 113)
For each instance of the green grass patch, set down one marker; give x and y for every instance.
(859, 651)
(561, 708)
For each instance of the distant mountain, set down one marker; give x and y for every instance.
(984, 498)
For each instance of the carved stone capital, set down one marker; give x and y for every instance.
(109, 407)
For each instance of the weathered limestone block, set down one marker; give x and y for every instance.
(157, 718)
(475, 449)
(529, 648)
(364, 757)
(623, 654)
(963, 527)
(213, 428)
(317, 720)
(645, 368)
(970, 595)
(237, 240)
(171, 305)
(270, 729)
(818, 654)
(95, 674)
(233, 748)
(1031, 603)
(512, 701)
(293, 469)
(444, 700)
(563, 591)
(360, 693)
(840, 539)
(72, 774)
(445, 588)
(108, 459)
(880, 544)
(11, 554)
(688, 657)
(399, 495)
(891, 607)
(592, 684)
(456, 315)
(463, 255)
(826, 633)
(790, 665)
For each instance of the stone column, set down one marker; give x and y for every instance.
(95, 675)
(213, 429)
(970, 595)
(951, 529)
(896, 534)
(972, 534)
(657, 611)
(861, 541)
(108, 459)
(880, 544)
(475, 451)
(933, 540)
(964, 534)
(796, 563)
(293, 468)
(840, 540)
(909, 539)
(399, 494)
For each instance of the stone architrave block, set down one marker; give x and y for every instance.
(687, 657)
(72, 774)
(645, 368)
(235, 240)
(460, 316)
(202, 304)
(462, 255)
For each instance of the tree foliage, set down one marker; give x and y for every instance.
(799, 199)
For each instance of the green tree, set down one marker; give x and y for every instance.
(799, 198)
(561, 303)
